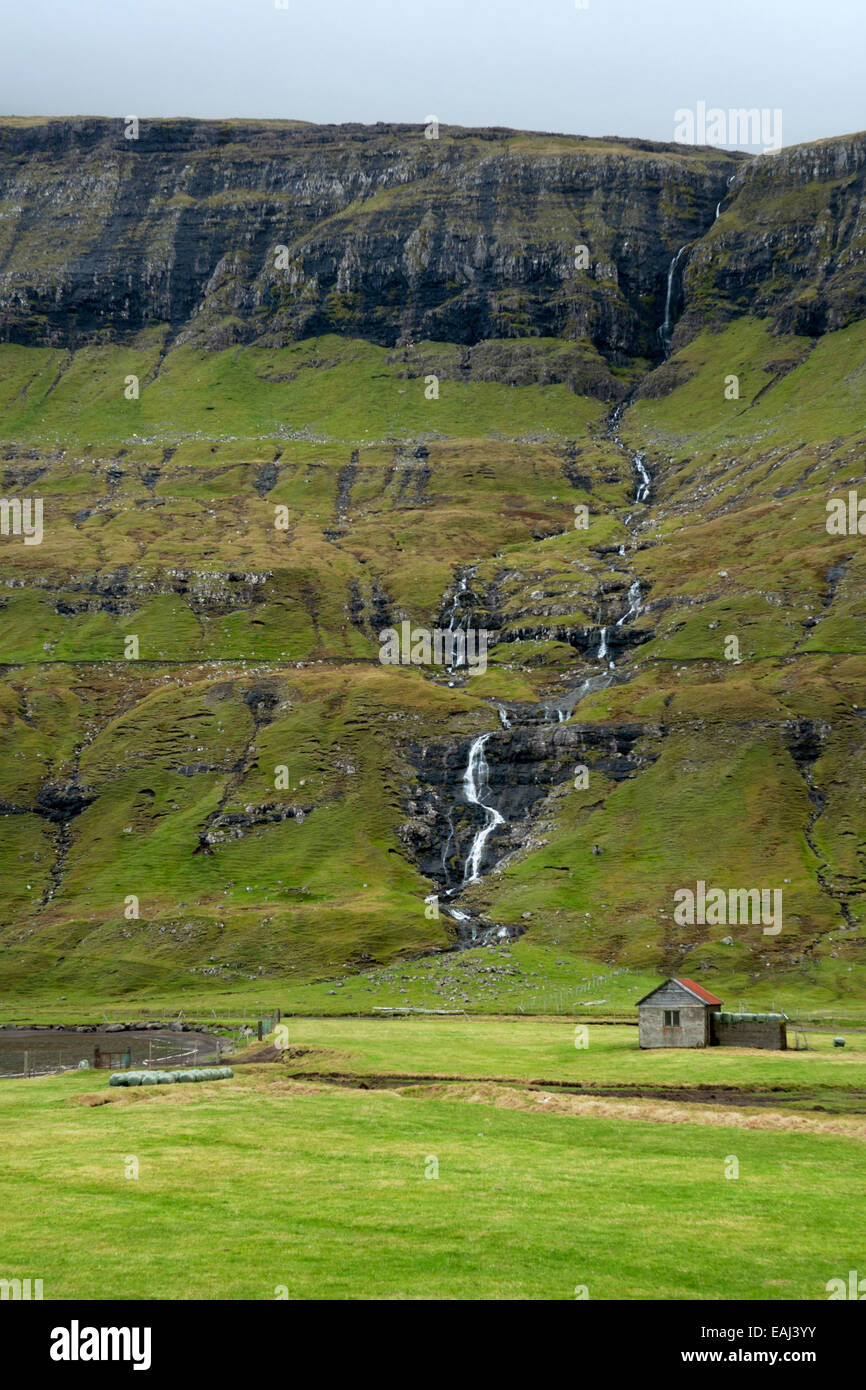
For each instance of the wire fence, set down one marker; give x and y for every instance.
(576, 996)
(37, 1060)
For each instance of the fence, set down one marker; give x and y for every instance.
(570, 998)
(160, 1052)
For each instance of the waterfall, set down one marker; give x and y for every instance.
(634, 603)
(503, 718)
(458, 594)
(475, 782)
(643, 487)
(665, 330)
(453, 622)
(718, 210)
(602, 646)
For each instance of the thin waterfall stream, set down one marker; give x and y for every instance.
(475, 785)
(666, 330)
(476, 791)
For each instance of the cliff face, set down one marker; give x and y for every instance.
(387, 235)
(790, 243)
(234, 232)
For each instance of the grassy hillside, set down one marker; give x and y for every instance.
(248, 801)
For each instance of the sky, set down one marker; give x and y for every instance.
(615, 67)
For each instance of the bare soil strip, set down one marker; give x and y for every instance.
(824, 1099)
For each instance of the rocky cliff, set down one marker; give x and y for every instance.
(790, 243)
(236, 231)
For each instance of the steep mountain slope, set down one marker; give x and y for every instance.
(278, 802)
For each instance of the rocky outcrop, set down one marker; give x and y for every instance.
(62, 801)
(788, 244)
(525, 765)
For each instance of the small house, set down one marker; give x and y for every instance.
(677, 1014)
(681, 1013)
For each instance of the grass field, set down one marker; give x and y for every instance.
(534, 1048)
(269, 1182)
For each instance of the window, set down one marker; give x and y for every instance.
(672, 1018)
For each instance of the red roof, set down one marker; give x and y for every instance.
(698, 990)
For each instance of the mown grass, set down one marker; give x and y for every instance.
(545, 1049)
(258, 1184)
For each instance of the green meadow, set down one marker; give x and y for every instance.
(270, 1186)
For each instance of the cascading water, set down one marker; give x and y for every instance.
(454, 621)
(665, 332)
(455, 602)
(475, 783)
(633, 603)
(643, 487)
(643, 482)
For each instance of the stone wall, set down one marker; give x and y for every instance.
(749, 1030)
(692, 1032)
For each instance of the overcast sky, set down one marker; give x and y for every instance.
(618, 67)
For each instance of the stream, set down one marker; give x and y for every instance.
(475, 788)
(476, 784)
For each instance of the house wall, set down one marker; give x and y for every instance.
(748, 1032)
(692, 1032)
